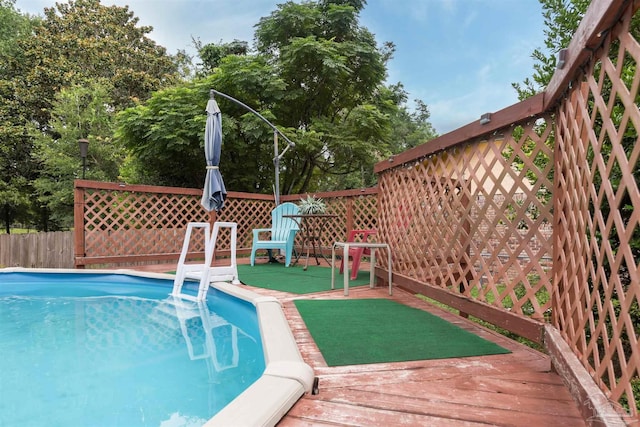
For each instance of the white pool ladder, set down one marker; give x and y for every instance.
(203, 331)
(205, 273)
(209, 322)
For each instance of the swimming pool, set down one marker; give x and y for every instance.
(147, 359)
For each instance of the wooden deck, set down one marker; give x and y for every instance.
(517, 389)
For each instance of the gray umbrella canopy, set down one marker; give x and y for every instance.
(214, 192)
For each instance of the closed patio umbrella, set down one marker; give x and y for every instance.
(214, 192)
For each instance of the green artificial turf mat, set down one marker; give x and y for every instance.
(361, 331)
(294, 279)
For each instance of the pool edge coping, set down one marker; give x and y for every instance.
(286, 377)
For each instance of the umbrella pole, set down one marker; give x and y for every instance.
(276, 163)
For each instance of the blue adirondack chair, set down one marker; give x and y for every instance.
(283, 232)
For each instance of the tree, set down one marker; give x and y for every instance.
(164, 137)
(82, 41)
(212, 53)
(76, 43)
(15, 173)
(332, 69)
(316, 74)
(78, 112)
(561, 19)
(13, 27)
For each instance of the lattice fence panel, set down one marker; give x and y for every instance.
(336, 229)
(597, 282)
(127, 222)
(365, 212)
(476, 218)
(133, 223)
(248, 214)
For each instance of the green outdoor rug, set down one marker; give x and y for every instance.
(294, 279)
(361, 331)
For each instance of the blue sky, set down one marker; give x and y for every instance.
(458, 56)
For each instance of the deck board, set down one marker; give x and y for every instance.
(516, 389)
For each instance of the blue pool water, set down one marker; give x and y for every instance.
(116, 350)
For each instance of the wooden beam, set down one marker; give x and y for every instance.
(600, 16)
(511, 115)
(593, 404)
(332, 194)
(78, 223)
(136, 188)
(518, 324)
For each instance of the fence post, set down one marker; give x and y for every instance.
(213, 217)
(466, 237)
(349, 215)
(78, 225)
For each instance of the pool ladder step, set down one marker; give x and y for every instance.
(173, 311)
(200, 329)
(204, 273)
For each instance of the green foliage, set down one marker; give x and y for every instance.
(211, 54)
(16, 169)
(78, 112)
(312, 205)
(333, 71)
(76, 43)
(317, 75)
(15, 203)
(561, 19)
(83, 41)
(165, 137)
(13, 27)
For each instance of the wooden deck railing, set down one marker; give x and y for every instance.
(125, 224)
(530, 221)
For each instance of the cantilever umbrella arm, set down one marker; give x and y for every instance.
(276, 156)
(271, 125)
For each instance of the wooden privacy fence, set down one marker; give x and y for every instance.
(39, 250)
(125, 224)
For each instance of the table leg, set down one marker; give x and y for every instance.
(306, 262)
(316, 242)
(389, 268)
(333, 266)
(345, 257)
(372, 267)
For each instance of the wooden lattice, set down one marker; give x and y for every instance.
(126, 224)
(248, 213)
(596, 279)
(120, 222)
(476, 218)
